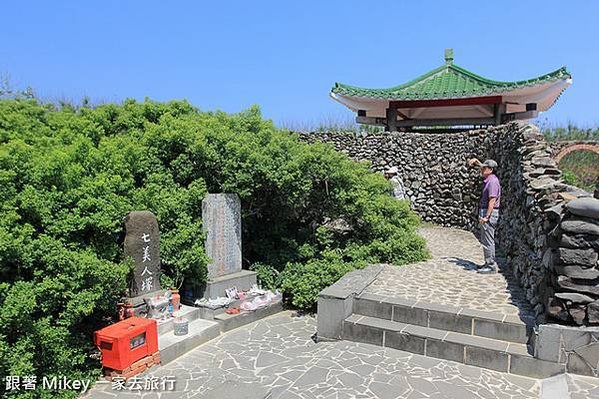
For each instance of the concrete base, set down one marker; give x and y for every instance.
(139, 304)
(228, 322)
(172, 346)
(243, 280)
(189, 313)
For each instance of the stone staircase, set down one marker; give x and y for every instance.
(484, 339)
(364, 307)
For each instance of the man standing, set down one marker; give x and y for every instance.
(391, 174)
(488, 212)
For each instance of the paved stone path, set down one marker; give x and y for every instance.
(450, 277)
(583, 387)
(277, 354)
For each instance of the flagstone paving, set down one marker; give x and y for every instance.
(278, 354)
(450, 277)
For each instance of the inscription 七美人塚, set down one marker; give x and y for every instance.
(142, 244)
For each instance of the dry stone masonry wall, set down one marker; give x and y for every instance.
(548, 231)
(440, 185)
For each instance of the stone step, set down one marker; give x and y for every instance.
(445, 317)
(172, 346)
(508, 357)
(228, 321)
(187, 312)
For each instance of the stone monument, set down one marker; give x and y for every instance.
(142, 244)
(221, 219)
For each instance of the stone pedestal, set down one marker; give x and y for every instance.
(243, 280)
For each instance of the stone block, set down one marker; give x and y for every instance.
(579, 241)
(475, 341)
(331, 313)
(445, 350)
(577, 365)
(580, 226)
(593, 312)
(568, 284)
(555, 341)
(372, 308)
(411, 315)
(586, 355)
(405, 342)
(449, 322)
(487, 358)
(534, 368)
(215, 287)
(583, 257)
(502, 331)
(363, 333)
(587, 207)
(574, 297)
(229, 322)
(578, 313)
(578, 272)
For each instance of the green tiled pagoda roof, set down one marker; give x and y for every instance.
(447, 81)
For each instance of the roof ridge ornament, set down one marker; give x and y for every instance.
(449, 56)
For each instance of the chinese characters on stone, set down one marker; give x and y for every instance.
(146, 284)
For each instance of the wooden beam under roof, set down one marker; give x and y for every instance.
(449, 102)
(370, 120)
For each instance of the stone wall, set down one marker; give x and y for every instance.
(535, 209)
(441, 187)
(550, 245)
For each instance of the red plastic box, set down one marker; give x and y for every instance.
(127, 341)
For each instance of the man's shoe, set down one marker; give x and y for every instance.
(486, 270)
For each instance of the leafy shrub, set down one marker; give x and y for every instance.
(268, 276)
(68, 177)
(303, 281)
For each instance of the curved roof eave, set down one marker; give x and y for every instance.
(484, 87)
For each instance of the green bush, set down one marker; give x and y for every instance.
(303, 281)
(268, 276)
(68, 176)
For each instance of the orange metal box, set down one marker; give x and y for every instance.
(127, 341)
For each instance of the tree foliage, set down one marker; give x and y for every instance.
(68, 176)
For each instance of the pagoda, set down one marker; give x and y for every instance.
(452, 96)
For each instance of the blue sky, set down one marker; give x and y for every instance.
(285, 56)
